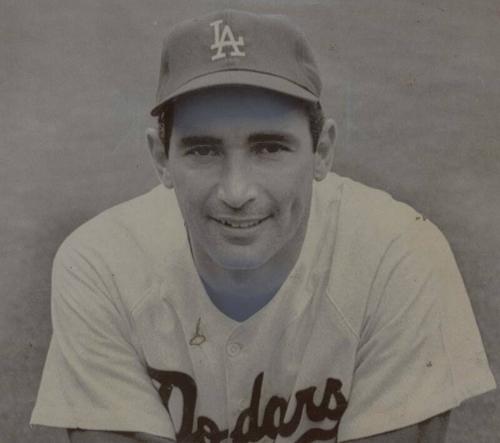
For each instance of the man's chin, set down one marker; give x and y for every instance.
(239, 261)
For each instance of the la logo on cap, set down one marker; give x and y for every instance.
(225, 39)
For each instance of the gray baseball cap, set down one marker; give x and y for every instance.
(237, 48)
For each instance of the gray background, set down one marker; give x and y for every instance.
(413, 86)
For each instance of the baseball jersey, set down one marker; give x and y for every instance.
(372, 330)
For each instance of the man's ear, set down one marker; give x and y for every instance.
(324, 154)
(159, 157)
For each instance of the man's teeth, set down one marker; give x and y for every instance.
(240, 225)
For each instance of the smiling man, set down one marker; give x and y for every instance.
(254, 296)
(242, 164)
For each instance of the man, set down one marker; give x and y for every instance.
(255, 296)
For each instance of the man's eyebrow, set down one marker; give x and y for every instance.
(200, 140)
(271, 137)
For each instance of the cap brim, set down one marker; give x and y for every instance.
(243, 78)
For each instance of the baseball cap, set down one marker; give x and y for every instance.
(234, 47)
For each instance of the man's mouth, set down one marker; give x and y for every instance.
(240, 223)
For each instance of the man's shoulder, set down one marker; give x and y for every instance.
(125, 245)
(138, 221)
(368, 222)
(367, 211)
(373, 231)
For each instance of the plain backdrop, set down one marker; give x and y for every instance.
(413, 86)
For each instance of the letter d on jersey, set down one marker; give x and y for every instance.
(224, 40)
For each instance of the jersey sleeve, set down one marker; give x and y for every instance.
(94, 377)
(420, 351)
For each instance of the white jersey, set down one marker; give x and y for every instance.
(372, 331)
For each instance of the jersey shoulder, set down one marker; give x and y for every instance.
(365, 209)
(125, 245)
(373, 231)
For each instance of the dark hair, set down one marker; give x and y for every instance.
(313, 110)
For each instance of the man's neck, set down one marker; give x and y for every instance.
(241, 293)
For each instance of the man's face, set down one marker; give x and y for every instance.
(242, 165)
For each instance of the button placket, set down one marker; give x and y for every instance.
(235, 363)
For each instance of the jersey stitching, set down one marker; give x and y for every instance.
(137, 306)
(341, 189)
(344, 318)
(409, 303)
(365, 323)
(142, 299)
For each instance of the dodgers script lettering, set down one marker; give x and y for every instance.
(247, 428)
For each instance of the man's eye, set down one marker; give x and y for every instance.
(202, 151)
(270, 148)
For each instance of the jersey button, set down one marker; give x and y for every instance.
(233, 349)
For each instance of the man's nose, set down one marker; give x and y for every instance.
(237, 184)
